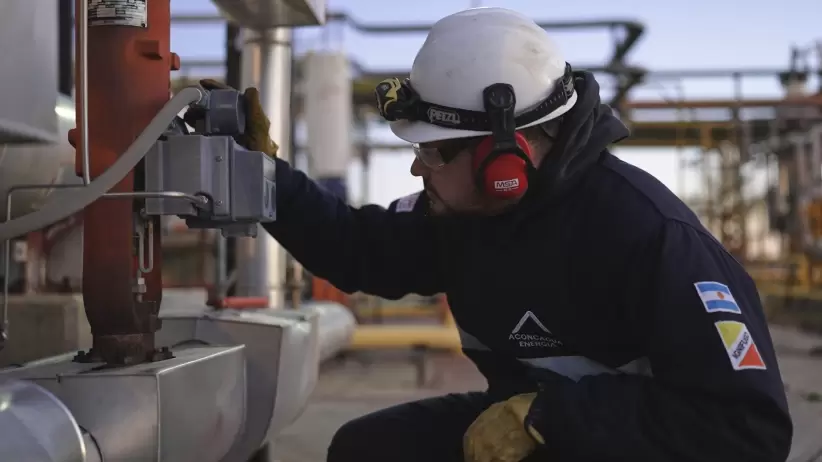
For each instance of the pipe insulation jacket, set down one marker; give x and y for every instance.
(68, 203)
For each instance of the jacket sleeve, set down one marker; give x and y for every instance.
(388, 253)
(715, 393)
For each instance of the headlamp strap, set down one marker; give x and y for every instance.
(399, 101)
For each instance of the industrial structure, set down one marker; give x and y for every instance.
(741, 142)
(178, 286)
(164, 380)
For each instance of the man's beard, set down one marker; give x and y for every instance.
(435, 206)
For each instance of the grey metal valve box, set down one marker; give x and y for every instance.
(238, 183)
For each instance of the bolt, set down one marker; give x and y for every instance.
(219, 203)
(80, 357)
(219, 158)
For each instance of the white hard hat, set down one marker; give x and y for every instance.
(468, 51)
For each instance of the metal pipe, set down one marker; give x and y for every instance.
(220, 265)
(82, 82)
(751, 72)
(815, 159)
(633, 31)
(365, 176)
(130, 63)
(74, 201)
(37, 426)
(267, 65)
(380, 74)
(809, 193)
(647, 75)
(276, 51)
(388, 28)
(92, 449)
(198, 201)
(148, 43)
(815, 100)
(815, 134)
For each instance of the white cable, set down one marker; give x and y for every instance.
(68, 203)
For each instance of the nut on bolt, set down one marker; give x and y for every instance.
(139, 286)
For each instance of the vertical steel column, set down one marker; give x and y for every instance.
(267, 66)
(129, 64)
(733, 211)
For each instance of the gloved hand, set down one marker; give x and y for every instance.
(499, 434)
(256, 136)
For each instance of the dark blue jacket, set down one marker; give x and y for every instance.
(601, 289)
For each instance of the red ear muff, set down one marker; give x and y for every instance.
(505, 176)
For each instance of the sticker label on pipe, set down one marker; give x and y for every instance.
(117, 13)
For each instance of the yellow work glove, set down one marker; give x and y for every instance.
(256, 136)
(499, 434)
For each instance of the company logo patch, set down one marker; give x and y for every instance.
(739, 345)
(716, 297)
(407, 203)
(506, 185)
(533, 334)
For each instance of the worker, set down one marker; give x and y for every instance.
(610, 325)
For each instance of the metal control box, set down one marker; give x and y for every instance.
(239, 184)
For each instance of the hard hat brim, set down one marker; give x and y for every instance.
(422, 132)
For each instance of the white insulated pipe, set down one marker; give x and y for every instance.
(329, 118)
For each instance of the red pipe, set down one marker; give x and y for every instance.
(239, 303)
(324, 290)
(129, 69)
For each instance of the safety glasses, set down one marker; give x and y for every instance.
(436, 155)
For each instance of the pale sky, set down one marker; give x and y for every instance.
(698, 34)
